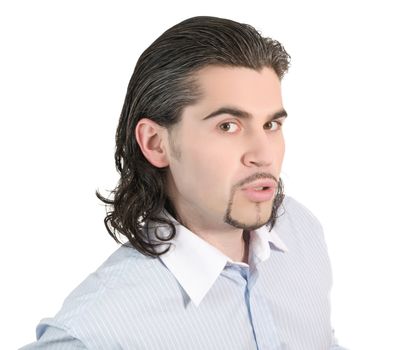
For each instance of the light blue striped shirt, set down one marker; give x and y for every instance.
(195, 297)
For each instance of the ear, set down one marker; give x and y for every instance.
(150, 138)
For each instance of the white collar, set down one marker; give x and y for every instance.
(196, 264)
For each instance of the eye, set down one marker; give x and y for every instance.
(229, 127)
(277, 127)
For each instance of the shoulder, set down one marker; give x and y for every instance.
(298, 225)
(303, 235)
(96, 303)
(121, 267)
(295, 215)
(297, 212)
(124, 268)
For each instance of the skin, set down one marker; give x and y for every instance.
(208, 160)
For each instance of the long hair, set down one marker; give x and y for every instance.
(160, 87)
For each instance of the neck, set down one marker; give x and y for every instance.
(232, 242)
(234, 245)
(246, 237)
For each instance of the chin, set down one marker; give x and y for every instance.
(246, 214)
(246, 226)
(248, 223)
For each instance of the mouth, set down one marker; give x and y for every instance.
(259, 195)
(260, 185)
(262, 188)
(260, 191)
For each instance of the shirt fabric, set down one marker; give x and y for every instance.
(195, 297)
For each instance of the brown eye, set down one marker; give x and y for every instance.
(228, 127)
(270, 124)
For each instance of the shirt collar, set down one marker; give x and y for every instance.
(196, 264)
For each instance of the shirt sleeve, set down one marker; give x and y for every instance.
(54, 338)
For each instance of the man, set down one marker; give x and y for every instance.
(217, 257)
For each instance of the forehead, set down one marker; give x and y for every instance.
(258, 89)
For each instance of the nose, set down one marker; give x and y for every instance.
(260, 150)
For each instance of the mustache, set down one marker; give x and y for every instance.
(257, 176)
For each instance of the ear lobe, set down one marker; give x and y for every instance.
(149, 136)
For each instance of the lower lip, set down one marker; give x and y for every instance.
(260, 196)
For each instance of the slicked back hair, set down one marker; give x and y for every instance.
(161, 86)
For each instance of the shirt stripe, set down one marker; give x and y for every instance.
(136, 302)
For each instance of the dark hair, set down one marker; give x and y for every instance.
(161, 86)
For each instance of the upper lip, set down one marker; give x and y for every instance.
(260, 183)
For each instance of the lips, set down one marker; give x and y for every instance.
(260, 185)
(260, 191)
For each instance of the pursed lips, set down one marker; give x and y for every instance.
(260, 185)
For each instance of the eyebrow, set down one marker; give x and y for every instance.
(243, 114)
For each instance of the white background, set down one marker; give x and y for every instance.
(65, 66)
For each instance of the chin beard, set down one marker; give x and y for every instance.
(248, 227)
(244, 226)
(278, 199)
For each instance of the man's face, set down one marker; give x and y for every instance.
(214, 159)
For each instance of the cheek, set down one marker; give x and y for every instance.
(278, 149)
(207, 165)
(209, 169)
(204, 163)
(282, 149)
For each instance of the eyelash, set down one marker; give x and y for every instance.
(273, 121)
